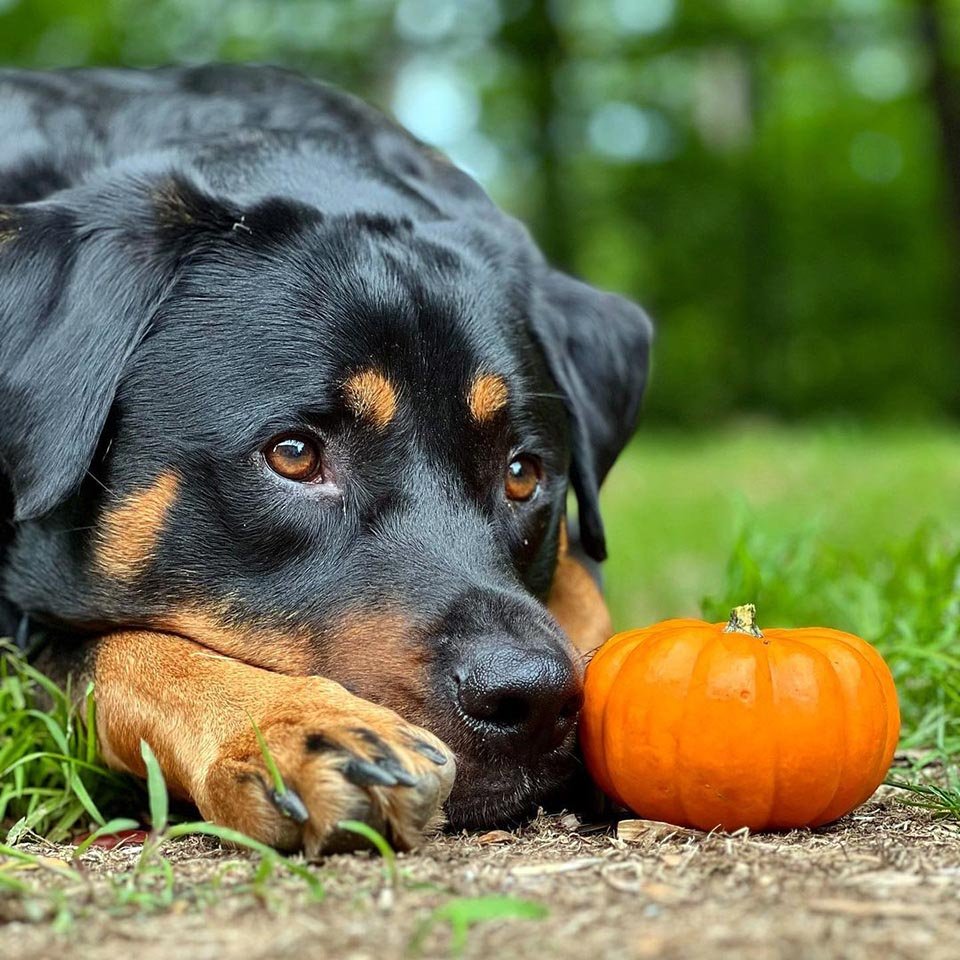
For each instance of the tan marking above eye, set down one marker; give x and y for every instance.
(371, 396)
(127, 538)
(487, 396)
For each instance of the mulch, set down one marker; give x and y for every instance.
(884, 882)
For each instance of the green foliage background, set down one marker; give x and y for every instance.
(771, 178)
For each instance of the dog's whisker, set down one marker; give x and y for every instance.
(96, 479)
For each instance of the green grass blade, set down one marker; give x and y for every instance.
(379, 842)
(463, 913)
(91, 724)
(76, 761)
(49, 767)
(73, 778)
(271, 764)
(43, 863)
(156, 790)
(16, 885)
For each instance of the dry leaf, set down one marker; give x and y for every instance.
(566, 866)
(496, 836)
(654, 829)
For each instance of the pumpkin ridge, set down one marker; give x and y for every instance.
(604, 727)
(681, 726)
(679, 782)
(632, 641)
(644, 648)
(843, 732)
(775, 789)
(789, 645)
(883, 761)
(867, 656)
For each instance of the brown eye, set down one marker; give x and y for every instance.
(295, 457)
(523, 478)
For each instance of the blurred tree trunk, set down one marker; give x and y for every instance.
(757, 382)
(534, 40)
(944, 92)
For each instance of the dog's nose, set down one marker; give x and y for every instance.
(525, 700)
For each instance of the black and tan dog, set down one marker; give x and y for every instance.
(288, 414)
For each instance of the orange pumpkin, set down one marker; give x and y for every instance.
(714, 725)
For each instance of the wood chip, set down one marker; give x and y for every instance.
(545, 869)
(652, 829)
(874, 908)
(496, 836)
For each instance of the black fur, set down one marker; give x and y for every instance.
(195, 260)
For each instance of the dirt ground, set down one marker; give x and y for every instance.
(883, 882)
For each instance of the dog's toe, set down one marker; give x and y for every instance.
(364, 763)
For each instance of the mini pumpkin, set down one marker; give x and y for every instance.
(722, 725)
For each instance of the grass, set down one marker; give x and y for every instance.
(51, 779)
(463, 913)
(675, 505)
(151, 885)
(836, 526)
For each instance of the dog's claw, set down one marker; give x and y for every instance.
(385, 758)
(430, 752)
(404, 778)
(363, 773)
(290, 805)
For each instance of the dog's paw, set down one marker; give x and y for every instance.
(340, 758)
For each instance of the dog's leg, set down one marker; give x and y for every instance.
(340, 757)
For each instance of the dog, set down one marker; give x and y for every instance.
(289, 411)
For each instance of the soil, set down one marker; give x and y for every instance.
(882, 882)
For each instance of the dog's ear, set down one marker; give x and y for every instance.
(82, 274)
(597, 346)
(77, 291)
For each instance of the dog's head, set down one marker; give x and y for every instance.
(334, 444)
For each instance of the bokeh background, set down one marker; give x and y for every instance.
(778, 182)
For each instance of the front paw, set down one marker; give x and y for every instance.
(345, 759)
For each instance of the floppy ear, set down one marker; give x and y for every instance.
(77, 291)
(82, 275)
(597, 346)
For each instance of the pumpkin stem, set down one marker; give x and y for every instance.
(743, 619)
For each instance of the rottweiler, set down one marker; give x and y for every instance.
(289, 411)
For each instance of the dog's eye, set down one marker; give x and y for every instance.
(295, 456)
(523, 477)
